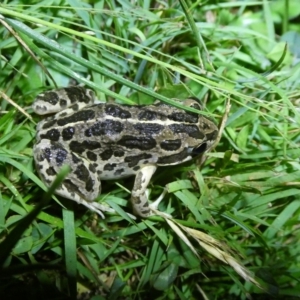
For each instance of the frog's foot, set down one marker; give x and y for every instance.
(96, 207)
(139, 194)
(99, 208)
(156, 212)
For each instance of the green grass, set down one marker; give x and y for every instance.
(236, 216)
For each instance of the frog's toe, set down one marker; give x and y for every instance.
(154, 205)
(156, 212)
(97, 207)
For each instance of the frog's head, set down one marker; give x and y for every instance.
(187, 135)
(207, 130)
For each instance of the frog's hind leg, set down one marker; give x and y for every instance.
(82, 184)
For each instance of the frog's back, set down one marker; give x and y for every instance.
(127, 136)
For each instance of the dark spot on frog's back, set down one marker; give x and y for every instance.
(75, 159)
(49, 97)
(191, 130)
(147, 115)
(62, 115)
(46, 154)
(56, 151)
(117, 111)
(186, 117)
(68, 133)
(92, 167)
(109, 167)
(82, 172)
(119, 153)
(40, 166)
(119, 172)
(135, 159)
(63, 103)
(170, 159)
(49, 124)
(71, 187)
(78, 147)
(91, 145)
(61, 155)
(108, 127)
(77, 94)
(91, 156)
(75, 107)
(133, 142)
(170, 145)
(89, 184)
(106, 154)
(80, 116)
(52, 135)
(148, 128)
(51, 172)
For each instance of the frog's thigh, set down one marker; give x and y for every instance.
(139, 198)
(81, 184)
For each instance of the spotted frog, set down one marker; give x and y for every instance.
(107, 141)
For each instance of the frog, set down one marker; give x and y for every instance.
(110, 141)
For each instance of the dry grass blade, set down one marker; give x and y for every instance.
(181, 235)
(213, 246)
(10, 101)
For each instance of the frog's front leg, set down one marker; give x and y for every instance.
(139, 195)
(81, 184)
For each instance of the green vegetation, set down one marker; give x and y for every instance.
(240, 207)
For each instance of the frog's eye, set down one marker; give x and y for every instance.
(196, 151)
(194, 103)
